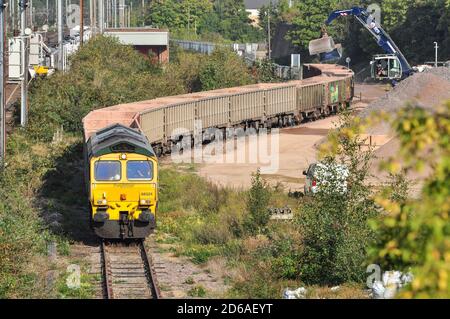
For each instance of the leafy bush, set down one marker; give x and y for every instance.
(334, 224)
(257, 205)
(264, 71)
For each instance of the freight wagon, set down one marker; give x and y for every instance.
(166, 120)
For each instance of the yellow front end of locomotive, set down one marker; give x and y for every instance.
(123, 194)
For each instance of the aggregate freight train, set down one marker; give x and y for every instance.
(122, 142)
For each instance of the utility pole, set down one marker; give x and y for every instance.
(115, 13)
(108, 13)
(94, 16)
(81, 22)
(24, 61)
(101, 16)
(12, 10)
(2, 86)
(122, 13)
(268, 31)
(91, 13)
(30, 12)
(143, 13)
(60, 35)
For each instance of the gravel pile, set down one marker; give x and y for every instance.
(443, 72)
(427, 89)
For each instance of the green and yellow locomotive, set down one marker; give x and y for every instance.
(122, 182)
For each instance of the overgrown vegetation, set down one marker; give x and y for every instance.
(101, 77)
(213, 221)
(327, 241)
(336, 234)
(258, 198)
(334, 223)
(24, 232)
(41, 187)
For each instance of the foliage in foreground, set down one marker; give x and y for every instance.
(414, 235)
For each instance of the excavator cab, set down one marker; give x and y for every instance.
(386, 67)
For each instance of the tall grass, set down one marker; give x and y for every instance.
(23, 232)
(205, 220)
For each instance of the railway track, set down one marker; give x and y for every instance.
(127, 271)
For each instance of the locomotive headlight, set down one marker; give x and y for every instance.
(102, 202)
(123, 156)
(145, 202)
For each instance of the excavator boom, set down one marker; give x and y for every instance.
(368, 21)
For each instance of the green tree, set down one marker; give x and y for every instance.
(178, 14)
(226, 17)
(164, 13)
(223, 69)
(310, 20)
(422, 23)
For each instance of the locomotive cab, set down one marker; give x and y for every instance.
(122, 183)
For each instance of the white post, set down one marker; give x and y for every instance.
(436, 54)
(23, 101)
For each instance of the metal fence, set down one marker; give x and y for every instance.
(246, 50)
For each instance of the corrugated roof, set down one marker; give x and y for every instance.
(118, 138)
